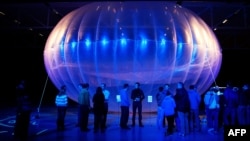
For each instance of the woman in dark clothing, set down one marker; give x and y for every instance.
(98, 107)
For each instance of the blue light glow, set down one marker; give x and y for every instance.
(163, 42)
(143, 43)
(87, 43)
(104, 42)
(73, 45)
(123, 42)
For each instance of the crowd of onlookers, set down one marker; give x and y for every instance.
(228, 108)
(223, 107)
(180, 109)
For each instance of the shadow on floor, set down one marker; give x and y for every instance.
(43, 128)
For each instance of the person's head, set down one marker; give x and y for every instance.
(63, 88)
(245, 87)
(191, 87)
(81, 86)
(103, 85)
(215, 89)
(21, 88)
(125, 86)
(137, 85)
(166, 86)
(86, 85)
(98, 90)
(160, 89)
(180, 85)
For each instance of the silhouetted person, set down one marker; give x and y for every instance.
(21, 129)
(195, 99)
(242, 108)
(182, 107)
(61, 102)
(84, 106)
(231, 104)
(99, 110)
(137, 95)
(211, 100)
(106, 95)
(221, 108)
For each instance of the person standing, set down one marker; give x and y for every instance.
(106, 95)
(231, 104)
(84, 106)
(195, 100)
(24, 108)
(160, 111)
(61, 102)
(168, 106)
(98, 109)
(211, 100)
(221, 108)
(182, 107)
(166, 91)
(242, 108)
(137, 95)
(125, 103)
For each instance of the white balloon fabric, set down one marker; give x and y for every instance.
(153, 43)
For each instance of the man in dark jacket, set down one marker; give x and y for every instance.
(137, 96)
(182, 107)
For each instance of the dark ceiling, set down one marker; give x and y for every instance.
(25, 26)
(28, 24)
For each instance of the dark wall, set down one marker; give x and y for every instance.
(24, 63)
(235, 67)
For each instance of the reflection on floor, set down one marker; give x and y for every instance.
(43, 128)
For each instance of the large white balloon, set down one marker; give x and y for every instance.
(116, 42)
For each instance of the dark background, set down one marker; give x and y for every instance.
(22, 50)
